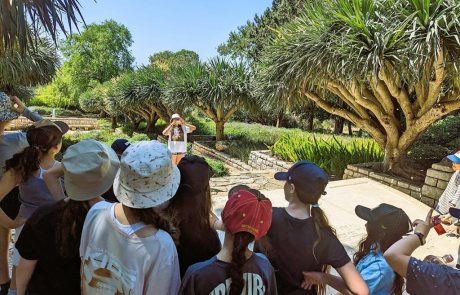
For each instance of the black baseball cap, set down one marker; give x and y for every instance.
(307, 176)
(455, 212)
(386, 217)
(120, 145)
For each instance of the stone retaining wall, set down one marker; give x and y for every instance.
(435, 182)
(201, 149)
(262, 160)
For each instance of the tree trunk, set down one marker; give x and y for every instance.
(151, 124)
(220, 125)
(338, 125)
(114, 122)
(350, 130)
(311, 118)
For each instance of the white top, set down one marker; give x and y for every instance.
(114, 262)
(177, 139)
(451, 194)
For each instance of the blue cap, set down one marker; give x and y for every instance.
(307, 176)
(455, 158)
(120, 145)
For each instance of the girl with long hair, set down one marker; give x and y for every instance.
(49, 242)
(126, 247)
(301, 238)
(177, 132)
(236, 270)
(25, 171)
(191, 209)
(386, 224)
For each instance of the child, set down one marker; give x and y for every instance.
(451, 194)
(385, 225)
(50, 240)
(236, 270)
(177, 132)
(301, 238)
(125, 247)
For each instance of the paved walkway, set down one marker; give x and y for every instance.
(340, 201)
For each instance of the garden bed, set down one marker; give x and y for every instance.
(203, 149)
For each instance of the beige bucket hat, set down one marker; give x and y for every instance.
(89, 169)
(147, 177)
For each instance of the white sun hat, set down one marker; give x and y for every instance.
(175, 116)
(147, 177)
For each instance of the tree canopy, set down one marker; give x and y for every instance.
(393, 64)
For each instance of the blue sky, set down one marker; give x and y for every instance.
(157, 25)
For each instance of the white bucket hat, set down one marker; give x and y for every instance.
(89, 169)
(147, 177)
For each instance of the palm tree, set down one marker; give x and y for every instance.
(23, 22)
(218, 88)
(393, 64)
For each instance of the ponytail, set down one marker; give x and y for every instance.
(155, 217)
(240, 245)
(25, 163)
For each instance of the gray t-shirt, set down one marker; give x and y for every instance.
(12, 143)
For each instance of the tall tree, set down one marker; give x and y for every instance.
(218, 88)
(393, 65)
(99, 53)
(22, 23)
(168, 60)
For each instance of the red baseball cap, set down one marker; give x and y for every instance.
(244, 212)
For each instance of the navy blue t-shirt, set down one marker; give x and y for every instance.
(291, 251)
(212, 277)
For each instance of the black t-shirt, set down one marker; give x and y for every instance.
(53, 274)
(291, 252)
(212, 277)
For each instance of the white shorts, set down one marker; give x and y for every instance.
(16, 257)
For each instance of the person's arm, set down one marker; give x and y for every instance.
(23, 110)
(399, 254)
(53, 182)
(189, 126)
(24, 272)
(167, 130)
(7, 183)
(216, 222)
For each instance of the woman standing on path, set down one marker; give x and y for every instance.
(25, 170)
(386, 224)
(191, 208)
(236, 270)
(50, 240)
(10, 144)
(301, 238)
(126, 247)
(177, 132)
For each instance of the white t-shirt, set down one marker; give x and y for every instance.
(116, 263)
(177, 139)
(451, 194)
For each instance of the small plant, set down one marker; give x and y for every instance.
(218, 167)
(331, 154)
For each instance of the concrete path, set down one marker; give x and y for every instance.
(340, 201)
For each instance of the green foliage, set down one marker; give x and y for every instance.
(99, 53)
(333, 155)
(48, 111)
(168, 60)
(218, 167)
(106, 136)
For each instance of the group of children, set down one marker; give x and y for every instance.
(155, 233)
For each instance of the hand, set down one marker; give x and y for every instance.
(18, 105)
(446, 219)
(311, 278)
(424, 226)
(452, 229)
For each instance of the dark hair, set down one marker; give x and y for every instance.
(40, 140)
(321, 224)
(237, 188)
(376, 237)
(71, 217)
(155, 217)
(240, 244)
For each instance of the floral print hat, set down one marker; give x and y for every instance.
(6, 114)
(147, 176)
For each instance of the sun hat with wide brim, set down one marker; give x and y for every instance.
(6, 113)
(147, 177)
(89, 169)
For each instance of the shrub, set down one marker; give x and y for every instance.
(331, 154)
(218, 167)
(423, 151)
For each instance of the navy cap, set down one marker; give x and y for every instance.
(120, 145)
(387, 217)
(307, 176)
(455, 158)
(455, 212)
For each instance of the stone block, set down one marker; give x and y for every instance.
(431, 181)
(403, 190)
(432, 192)
(415, 188)
(428, 201)
(364, 171)
(377, 176)
(439, 174)
(403, 184)
(352, 168)
(415, 195)
(443, 167)
(442, 184)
